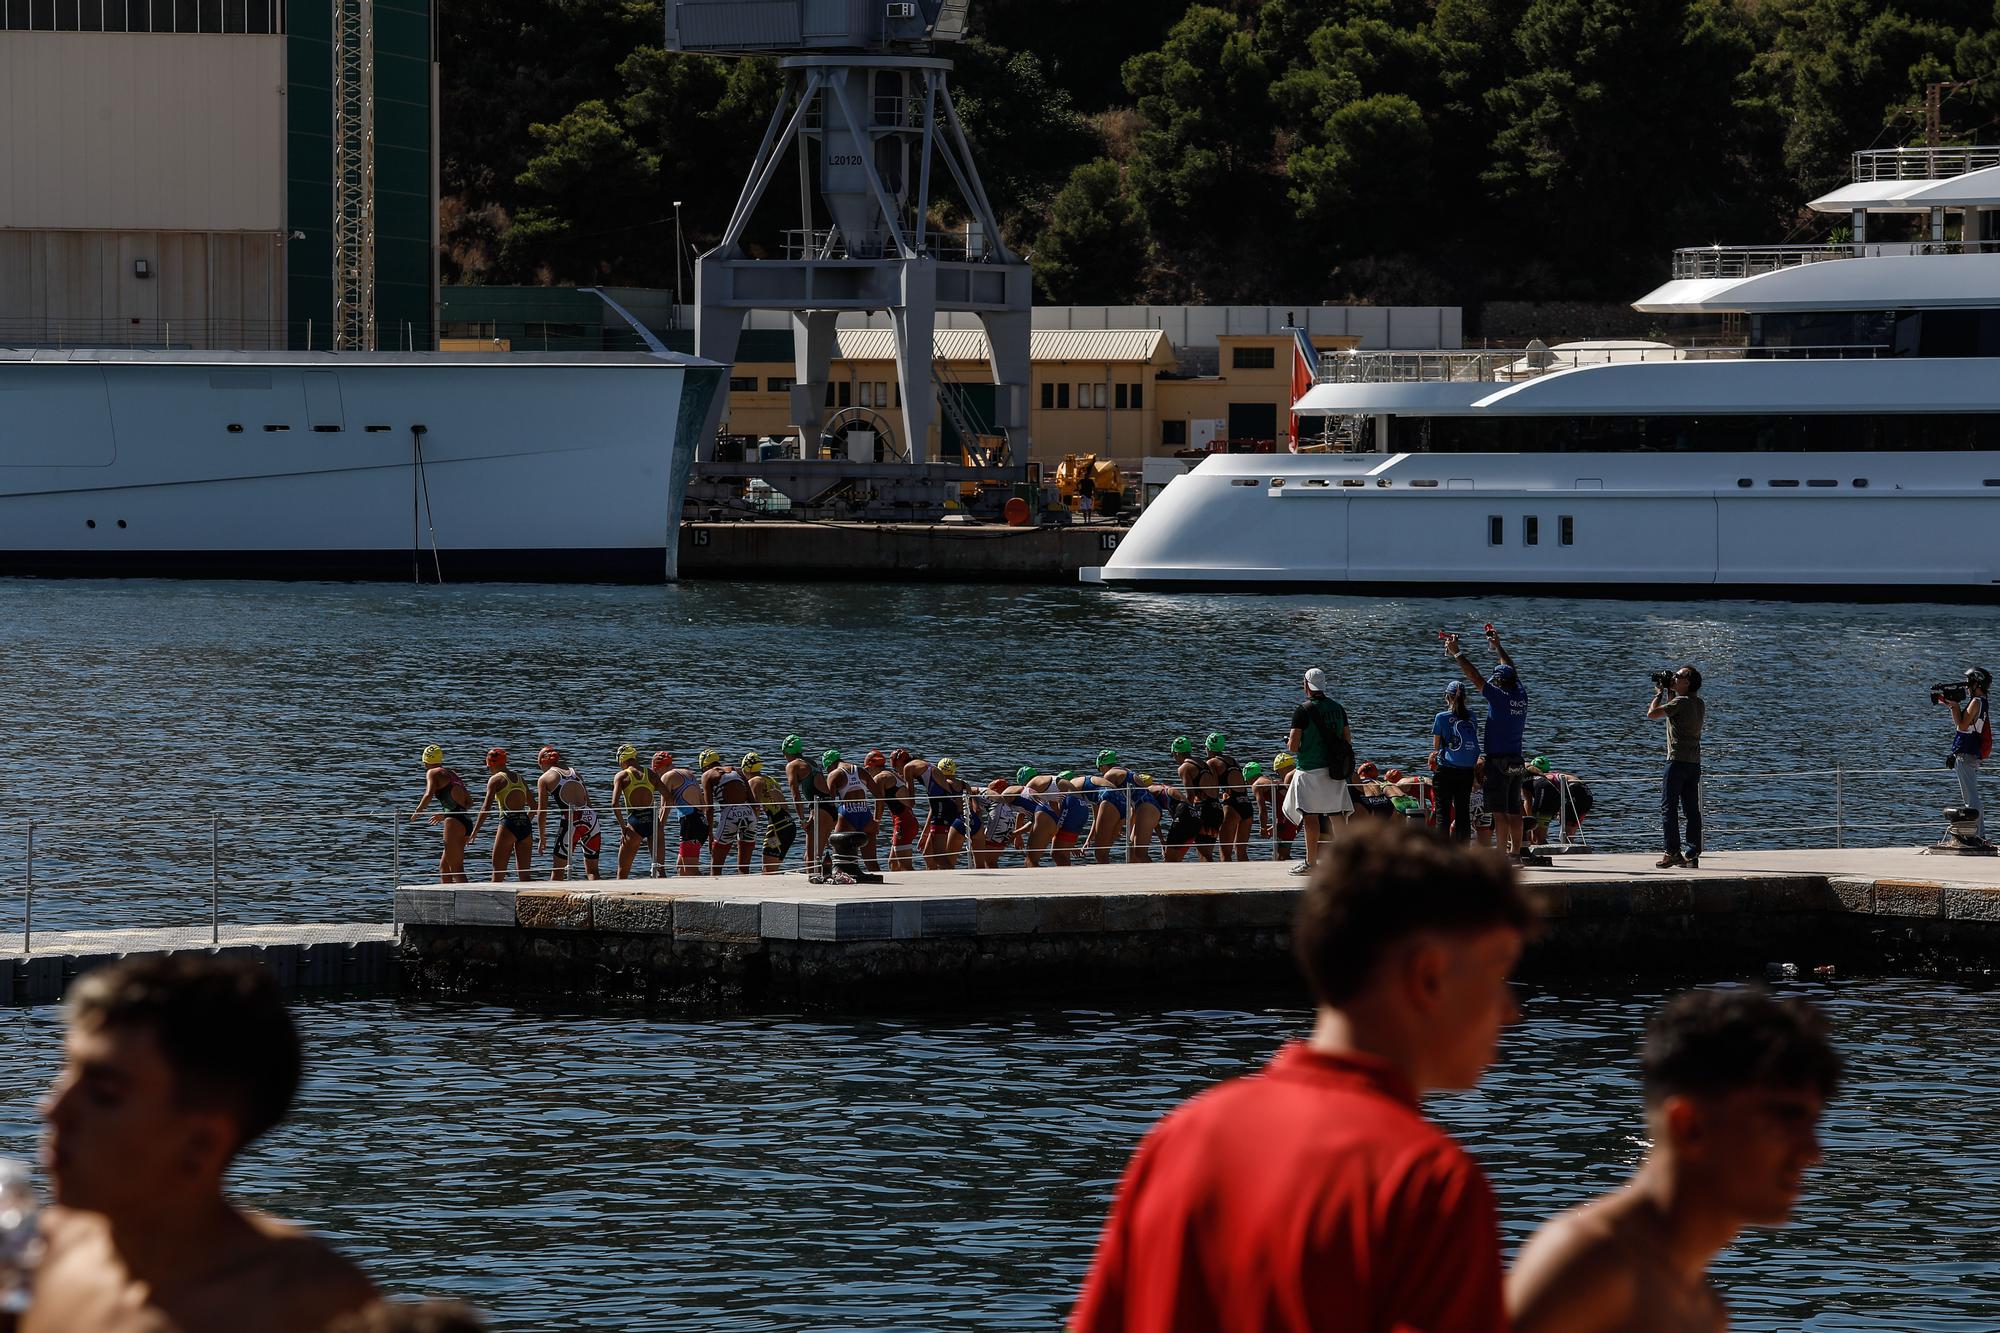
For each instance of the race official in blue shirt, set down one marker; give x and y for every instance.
(1506, 722)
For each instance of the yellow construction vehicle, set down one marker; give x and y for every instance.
(1106, 477)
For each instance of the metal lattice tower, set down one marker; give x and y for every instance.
(867, 114)
(354, 176)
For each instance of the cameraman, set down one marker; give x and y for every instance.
(1677, 698)
(1968, 743)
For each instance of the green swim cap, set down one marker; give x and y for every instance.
(1067, 775)
(1252, 771)
(1539, 764)
(1182, 745)
(794, 746)
(1107, 758)
(829, 759)
(1022, 774)
(1216, 742)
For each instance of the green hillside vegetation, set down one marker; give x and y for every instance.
(1381, 150)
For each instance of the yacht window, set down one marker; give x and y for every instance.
(1496, 530)
(1566, 530)
(1788, 481)
(1423, 483)
(1822, 481)
(1826, 432)
(1861, 483)
(1745, 482)
(1531, 530)
(1244, 481)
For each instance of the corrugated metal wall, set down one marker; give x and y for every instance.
(81, 288)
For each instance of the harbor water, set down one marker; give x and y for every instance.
(569, 1171)
(260, 737)
(588, 1173)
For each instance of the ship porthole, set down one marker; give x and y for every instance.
(121, 522)
(90, 522)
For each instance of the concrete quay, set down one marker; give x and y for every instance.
(971, 938)
(309, 957)
(940, 552)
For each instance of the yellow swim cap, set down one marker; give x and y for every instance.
(948, 767)
(433, 754)
(1283, 762)
(628, 754)
(1145, 779)
(753, 763)
(708, 759)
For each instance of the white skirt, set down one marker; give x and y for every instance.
(1315, 791)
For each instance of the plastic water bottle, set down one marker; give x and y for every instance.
(20, 1236)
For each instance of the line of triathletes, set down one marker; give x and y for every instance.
(723, 810)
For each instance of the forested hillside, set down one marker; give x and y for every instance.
(1386, 150)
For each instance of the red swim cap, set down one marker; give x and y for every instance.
(496, 758)
(549, 755)
(662, 761)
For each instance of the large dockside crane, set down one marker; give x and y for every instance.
(867, 114)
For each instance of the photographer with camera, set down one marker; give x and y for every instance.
(1677, 698)
(1972, 740)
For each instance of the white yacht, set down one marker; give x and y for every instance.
(1840, 437)
(449, 466)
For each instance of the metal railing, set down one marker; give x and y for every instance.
(1905, 164)
(1514, 364)
(201, 334)
(962, 246)
(239, 869)
(1747, 261)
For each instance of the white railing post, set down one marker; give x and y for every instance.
(28, 914)
(215, 878)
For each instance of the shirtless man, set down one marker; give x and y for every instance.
(945, 812)
(1735, 1082)
(780, 829)
(444, 786)
(172, 1066)
(635, 799)
(811, 797)
(514, 830)
(727, 792)
(1239, 812)
(577, 827)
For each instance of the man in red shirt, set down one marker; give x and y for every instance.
(1315, 1196)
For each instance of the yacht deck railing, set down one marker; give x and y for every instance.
(1920, 164)
(1747, 261)
(1512, 365)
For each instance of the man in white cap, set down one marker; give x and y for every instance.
(1324, 744)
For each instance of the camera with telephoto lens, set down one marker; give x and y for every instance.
(1663, 681)
(1950, 693)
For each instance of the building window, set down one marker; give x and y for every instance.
(1048, 395)
(778, 384)
(742, 384)
(1120, 400)
(1138, 396)
(1496, 530)
(1083, 395)
(1100, 395)
(1566, 530)
(882, 393)
(1531, 530)
(1062, 394)
(177, 16)
(846, 393)
(1173, 432)
(1253, 358)
(867, 394)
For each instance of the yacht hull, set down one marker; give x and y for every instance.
(1876, 526)
(294, 466)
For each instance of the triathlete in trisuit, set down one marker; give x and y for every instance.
(692, 834)
(855, 806)
(1268, 790)
(1112, 790)
(445, 787)
(727, 793)
(811, 797)
(1204, 802)
(1239, 812)
(781, 830)
(899, 804)
(514, 829)
(995, 817)
(1149, 804)
(577, 829)
(635, 799)
(945, 812)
